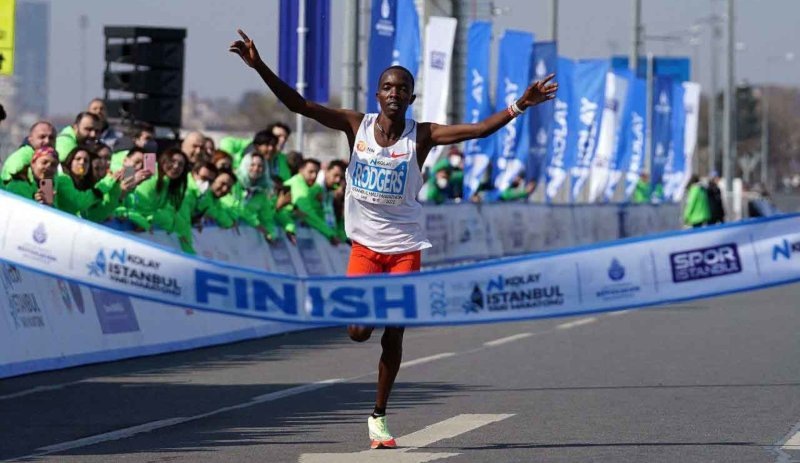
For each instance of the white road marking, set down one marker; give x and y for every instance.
(618, 312)
(791, 441)
(579, 322)
(431, 358)
(442, 430)
(36, 389)
(507, 339)
(160, 424)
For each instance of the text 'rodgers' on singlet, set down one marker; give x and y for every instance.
(381, 210)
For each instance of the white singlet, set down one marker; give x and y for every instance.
(381, 210)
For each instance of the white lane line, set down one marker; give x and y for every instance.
(36, 389)
(431, 358)
(579, 322)
(793, 443)
(618, 312)
(507, 339)
(446, 429)
(160, 424)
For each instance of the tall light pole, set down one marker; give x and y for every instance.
(636, 38)
(787, 57)
(350, 55)
(728, 129)
(554, 20)
(83, 24)
(302, 30)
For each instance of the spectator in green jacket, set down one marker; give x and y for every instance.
(193, 147)
(282, 132)
(198, 183)
(266, 144)
(210, 204)
(439, 188)
(113, 198)
(160, 199)
(306, 197)
(696, 211)
(42, 133)
(222, 160)
(84, 131)
(332, 181)
(143, 137)
(44, 166)
(643, 190)
(519, 189)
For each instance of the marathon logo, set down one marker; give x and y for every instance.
(785, 250)
(378, 179)
(698, 264)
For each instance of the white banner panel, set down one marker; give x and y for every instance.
(691, 104)
(440, 34)
(615, 95)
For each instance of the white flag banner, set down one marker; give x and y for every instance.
(691, 104)
(615, 92)
(440, 34)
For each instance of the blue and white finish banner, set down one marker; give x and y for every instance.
(545, 59)
(513, 78)
(613, 276)
(587, 100)
(560, 155)
(477, 152)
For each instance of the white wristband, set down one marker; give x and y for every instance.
(516, 109)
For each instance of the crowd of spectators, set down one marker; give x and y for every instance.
(99, 173)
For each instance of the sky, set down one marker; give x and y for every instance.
(765, 30)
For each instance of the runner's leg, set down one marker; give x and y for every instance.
(363, 261)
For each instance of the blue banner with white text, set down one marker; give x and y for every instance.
(632, 137)
(317, 58)
(676, 160)
(382, 31)
(477, 152)
(661, 133)
(560, 155)
(407, 40)
(615, 167)
(513, 78)
(589, 94)
(545, 59)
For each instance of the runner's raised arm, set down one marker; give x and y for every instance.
(343, 120)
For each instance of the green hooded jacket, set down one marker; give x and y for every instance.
(16, 162)
(307, 200)
(67, 198)
(697, 210)
(66, 140)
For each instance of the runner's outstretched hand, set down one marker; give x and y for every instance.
(246, 49)
(539, 92)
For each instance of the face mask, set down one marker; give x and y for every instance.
(442, 183)
(202, 186)
(455, 161)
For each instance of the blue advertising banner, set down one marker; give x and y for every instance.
(661, 133)
(513, 78)
(589, 83)
(545, 59)
(407, 40)
(632, 137)
(559, 159)
(381, 46)
(317, 60)
(675, 168)
(615, 167)
(677, 68)
(477, 152)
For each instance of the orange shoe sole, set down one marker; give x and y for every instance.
(386, 444)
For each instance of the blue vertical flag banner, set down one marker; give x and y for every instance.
(545, 59)
(317, 59)
(407, 40)
(477, 152)
(513, 78)
(623, 114)
(559, 159)
(675, 168)
(589, 82)
(678, 68)
(383, 25)
(661, 133)
(632, 138)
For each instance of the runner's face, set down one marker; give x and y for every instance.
(395, 93)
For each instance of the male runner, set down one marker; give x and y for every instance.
(382, 215)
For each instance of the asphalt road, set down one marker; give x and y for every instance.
(717, 380)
